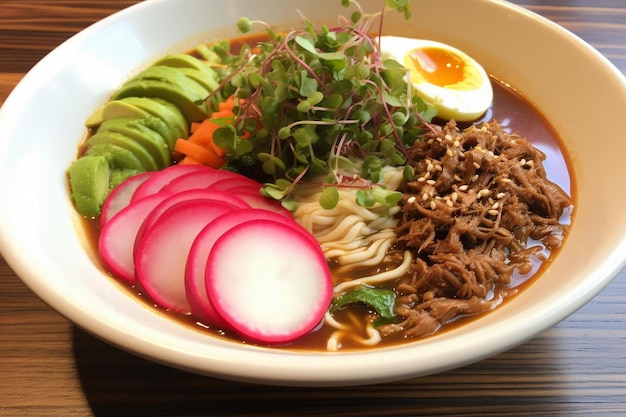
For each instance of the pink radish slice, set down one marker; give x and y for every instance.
(194, 194)
(257, 200)
(242, 181)
(245, 189)
(117, 238)
(270, 284)
(120, 196)
(195, 269)
(163, 249)
(161, 178)
(199, 179)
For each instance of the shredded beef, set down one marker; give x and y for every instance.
(477, 211)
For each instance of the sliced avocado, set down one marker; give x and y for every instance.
(165, 110)
(119, 175)
(186, 61)
(150, 139)
(159, 126)
(118, 157)
(169, 84)
(207, 81)
(147, 160)
(114, 109)
(89, 181)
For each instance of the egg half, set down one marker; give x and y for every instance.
(443, 76)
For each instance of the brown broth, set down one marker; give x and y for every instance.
(513, 112)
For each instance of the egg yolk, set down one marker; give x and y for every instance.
(442, 68)
(437, 66)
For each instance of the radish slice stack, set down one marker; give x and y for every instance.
(205, 242)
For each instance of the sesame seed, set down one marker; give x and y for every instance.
(456, 143)
(495, 206)
(431, 182)
(411, 199)
(438, 168)
(493, 212)
(425, 196)
(490, 200)
(421, 179)
(505, 180)
(522, 162)
(454, 196)
(474, 178)
(500, 195)
(483, 193)
(449, 203)
(476, 165)
(449, 152)
(530, 163)
(448, 137)
(430, 167)
(433, 205)
(457, 178)
(463, 187)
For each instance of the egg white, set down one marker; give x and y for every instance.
(464, 101)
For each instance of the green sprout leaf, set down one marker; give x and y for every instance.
(380, 299)
(329, 198)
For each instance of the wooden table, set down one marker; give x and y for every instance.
(48, 367)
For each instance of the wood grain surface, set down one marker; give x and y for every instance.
(48, 367)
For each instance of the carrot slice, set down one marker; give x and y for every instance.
(202, 154)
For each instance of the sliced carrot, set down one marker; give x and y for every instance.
(187, 160)
(194, 126)
(229, 104)
(199, 147)
(222, 114)
(204, 155)
(204, 133)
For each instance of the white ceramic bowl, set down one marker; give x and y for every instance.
(41, 124)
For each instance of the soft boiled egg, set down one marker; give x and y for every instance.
(443, 76)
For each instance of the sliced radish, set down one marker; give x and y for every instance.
(195, 270)
(194, 194)
(161, 178)
(257, 200)
(199, 179)
(270, 284)
(117, 238)
(163, 249)
(121, 195)
(235, 183)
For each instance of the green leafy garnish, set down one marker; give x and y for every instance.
(380, 299)
(322, 102)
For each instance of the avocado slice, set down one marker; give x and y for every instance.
(169, 84)
(147, 160)
(89, 182)
(164, 110)
(119, 175)
(118, 157)
(135, 129)
(112, 110)
(186, 61)
(205, 80)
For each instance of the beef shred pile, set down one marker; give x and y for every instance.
(478, 211)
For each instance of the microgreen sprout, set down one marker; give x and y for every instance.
(321, 101)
